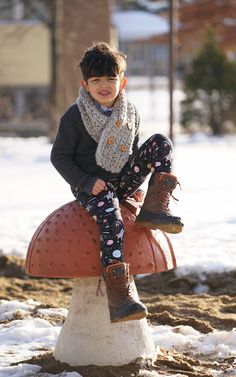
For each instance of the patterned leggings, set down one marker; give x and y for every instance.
(155, 155)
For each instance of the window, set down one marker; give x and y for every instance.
(17, 10)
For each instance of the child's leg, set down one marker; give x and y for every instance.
(154, 155)
(105, 209)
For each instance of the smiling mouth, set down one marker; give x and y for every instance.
(105, 93)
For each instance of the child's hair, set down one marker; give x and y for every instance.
(102, 60)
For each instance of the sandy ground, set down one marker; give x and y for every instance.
(170, 301)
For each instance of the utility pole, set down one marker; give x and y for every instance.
(171, 115)
(173, 41)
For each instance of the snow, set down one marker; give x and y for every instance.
(138, 25)
(21, 339)
(31, 189)
(21, 370)
(36, 332)
(218, 344)
(26, 370)
(9, 308)
(206, 205)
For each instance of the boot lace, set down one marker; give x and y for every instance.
(164, 196)
(122, 285)
(173, 189)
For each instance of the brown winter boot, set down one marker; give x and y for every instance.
(155, 213)
(122, 306)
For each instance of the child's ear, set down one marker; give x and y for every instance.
(84, 85)
(123, 83)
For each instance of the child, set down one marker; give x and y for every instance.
(96, 152)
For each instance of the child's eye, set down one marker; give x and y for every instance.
(112, 78)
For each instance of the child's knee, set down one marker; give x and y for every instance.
(161, 139)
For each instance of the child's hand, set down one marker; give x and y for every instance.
(99, 186)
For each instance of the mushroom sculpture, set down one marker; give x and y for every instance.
(66, 245)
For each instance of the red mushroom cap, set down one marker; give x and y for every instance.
(66, 245)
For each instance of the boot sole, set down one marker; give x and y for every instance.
(132, 317)
(167, 228)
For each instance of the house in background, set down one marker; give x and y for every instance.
(24, 69)
(30, 71)
(143, 37)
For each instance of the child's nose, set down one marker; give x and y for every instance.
(104, 83)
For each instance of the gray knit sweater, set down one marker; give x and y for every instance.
(73, 152)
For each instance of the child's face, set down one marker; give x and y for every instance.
(104, 89)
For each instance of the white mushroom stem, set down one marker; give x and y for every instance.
(87, 336)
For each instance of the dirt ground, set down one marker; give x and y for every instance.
(170, 301)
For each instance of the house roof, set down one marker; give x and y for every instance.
(136, 25)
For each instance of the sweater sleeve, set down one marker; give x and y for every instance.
(62, 156)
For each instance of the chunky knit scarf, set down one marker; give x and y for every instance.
(114, 134)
